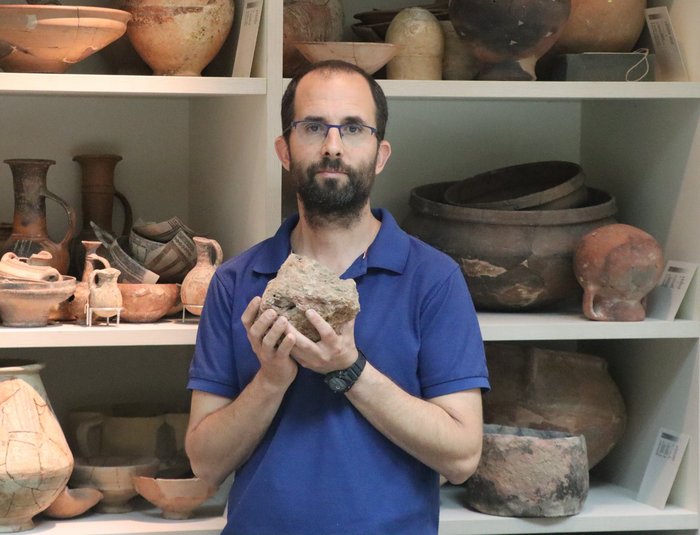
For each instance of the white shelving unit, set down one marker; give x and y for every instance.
(202, 148)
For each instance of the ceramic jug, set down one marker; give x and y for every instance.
(105, 298)
(196, 282)
(76, 306)
(29, 232)
(36, 460)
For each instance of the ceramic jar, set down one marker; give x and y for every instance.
(555, 390)
(509, 36)
(36, 461)
(179, 37)
(617, 266)
(105, 298)
(196, 282)
(422, 43)
(458, 61)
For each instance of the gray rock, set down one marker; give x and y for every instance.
(303, 283)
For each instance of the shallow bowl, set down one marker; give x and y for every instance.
(52, 38)
(145, 303)
(368, 56)
(176, 498)
(29, 303)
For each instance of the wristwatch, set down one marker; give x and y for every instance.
(340, 381)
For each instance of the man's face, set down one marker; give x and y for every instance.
(334, 178)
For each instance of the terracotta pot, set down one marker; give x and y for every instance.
(458, 61)
(73, 502)
(15, 268)
(30, 303)
(529, 473)
(179, 37)
(176, 498)
(36, 460)
(512, 260)
(368, 56)
(617, 266)
(422, 43)
(555, 390)
(145, 303)
(196, 282)
(74, 308)
(507, 36)
(105, 298)
(308, 20)
(29, 232)
(601, 26)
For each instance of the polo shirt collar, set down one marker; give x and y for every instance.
(388, 251)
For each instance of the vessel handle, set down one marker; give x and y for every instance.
(82, 436)
(589, 306)
(128, 214)
(219, 253)
(72, 219)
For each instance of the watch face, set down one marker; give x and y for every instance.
(336, 384)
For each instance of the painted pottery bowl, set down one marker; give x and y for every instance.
(29, 303)
(52, 38)
(549, 389)
(113, 477)
(537, 185)
(529, 473)
(509, 36)
(176, 498)
(368, 56)
(512, 259)
(73, 502)
(144, 303)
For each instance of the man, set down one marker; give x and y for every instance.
(346, 435)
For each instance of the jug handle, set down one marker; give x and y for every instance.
(72, 220)
(128, 214)
(82, 433)
(218, 251)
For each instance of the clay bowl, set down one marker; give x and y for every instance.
(529, 473)
(541, 185)
(29, 303)
(368, 56)
(176, 498)
(113, 477)
(513, 260)
(145, 303)
(73, 502)
(52, 38)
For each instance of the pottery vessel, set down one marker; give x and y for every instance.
(75, 308)
(308, 20)
(512, 259)
(52, 38)
(179, 37)
(73, 502)
(617, 266)
(601, 26)
(545, 185)
(16, 268)
(555, 390)
(458, 61)
(419, 34)
(105, 298)
(30, 303)
(509, 36)
(112, 476)
(36, 460)
(176, 498)
(196, 282)
(29, 232)
(529, 473)
(368, 56)
(145, 303)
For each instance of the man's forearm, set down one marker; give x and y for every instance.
(444, 433)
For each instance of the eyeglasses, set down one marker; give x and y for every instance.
(352, 134)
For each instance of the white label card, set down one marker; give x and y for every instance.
(662, 468)
(669, 61)
(664, 301)
(247, 37)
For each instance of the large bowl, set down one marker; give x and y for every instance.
(176, 498)
(145, 303)
(29, 303)
(52, 38)
(368, 56)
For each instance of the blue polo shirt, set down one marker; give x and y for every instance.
(321, 468)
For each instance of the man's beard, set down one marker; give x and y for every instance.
(329, 201)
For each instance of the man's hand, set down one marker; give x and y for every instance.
(332, 352)
(272, 342)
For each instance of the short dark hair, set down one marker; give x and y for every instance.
(382, 110)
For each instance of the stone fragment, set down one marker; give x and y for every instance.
(303, 283)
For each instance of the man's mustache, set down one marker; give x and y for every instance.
(328, 164)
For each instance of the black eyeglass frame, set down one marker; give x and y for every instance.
(372, 130)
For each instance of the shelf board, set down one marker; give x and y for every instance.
(127, 85)
(494, 327)
(607, 508)
(495, 90)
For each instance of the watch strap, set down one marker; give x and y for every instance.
(340, 381)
